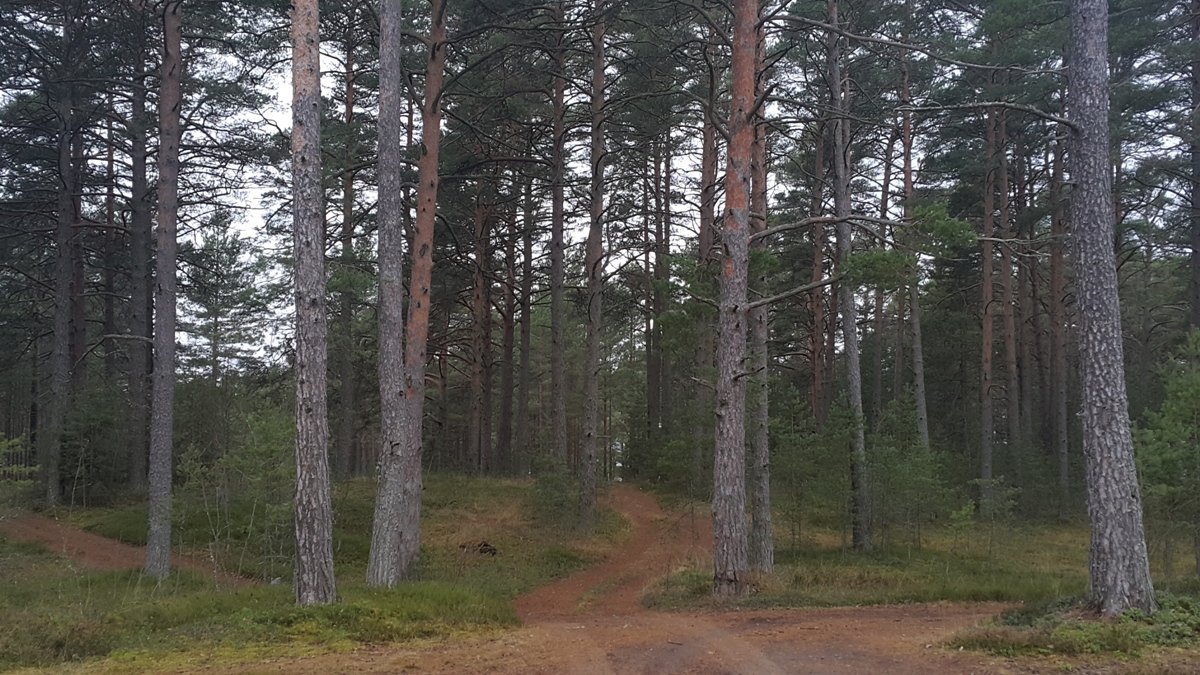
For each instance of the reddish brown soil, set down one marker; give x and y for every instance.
(94, 552)
(593, 622)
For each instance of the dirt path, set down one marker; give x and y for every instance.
(94, 552)
(592, 622)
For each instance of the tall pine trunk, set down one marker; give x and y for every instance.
(396, 530)
(313, 579)
(1119, 566)
(986, 419)
(162, 412)
(730, 562)
(558, 387)
(594, 262)
(140, 308)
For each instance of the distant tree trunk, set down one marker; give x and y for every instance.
(111, 349)
(524, 381)
(986, 421)
(914, 289)
(662, 276)
(140, 280)
(396, 531)
(343, 448)
(1058, 328)
(706, 253)
(730, 562)
(652, 228)
(1012, 387)
(860, 492)
(1119, 566)
(479, 443)
(885, 199)
(817, 395)
(558, 388)
(504, 432)
(1194, 152)
(162, 414)
(594, 261)
(313, 579)
(51, 432)
(761, 546)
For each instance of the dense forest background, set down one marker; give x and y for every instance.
(907, 260)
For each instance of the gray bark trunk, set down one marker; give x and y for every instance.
(396, 530)
(986, 420)
(860, 515)
(594, 261)
(140, 309)
(313, 579)
(558, 387)
(1119, 566)
(761, 546)
(162, 413)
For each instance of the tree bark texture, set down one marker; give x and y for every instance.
(313, 580)
(396, 531)
(730, 563)
(162, 412)
(594, 262)
(860, 515)
(986, 419)
(1119, 566)
(558, 387)
(140, 308)
(761, 546)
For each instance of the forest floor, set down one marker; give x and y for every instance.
(594, 621)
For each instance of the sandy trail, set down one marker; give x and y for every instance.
(95, 552)
(593, 623)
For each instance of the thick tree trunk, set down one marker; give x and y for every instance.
(594, 262)
(313, 579)
(391, 207)
(558, 387)
(479, 441)
(730, 562)
(761, 546)
(1119, 566)
(396, 531)
(162, 413)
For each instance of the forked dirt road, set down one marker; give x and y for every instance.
(593, 622)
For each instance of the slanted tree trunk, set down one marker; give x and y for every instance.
(730, 562)
(396, 531)
(1118, 564)
(860, 493)
(761, 546)
(313, 579)
(594, 262)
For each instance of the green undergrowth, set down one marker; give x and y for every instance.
(52, 613)
(1027, 564)
(1069, 628)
